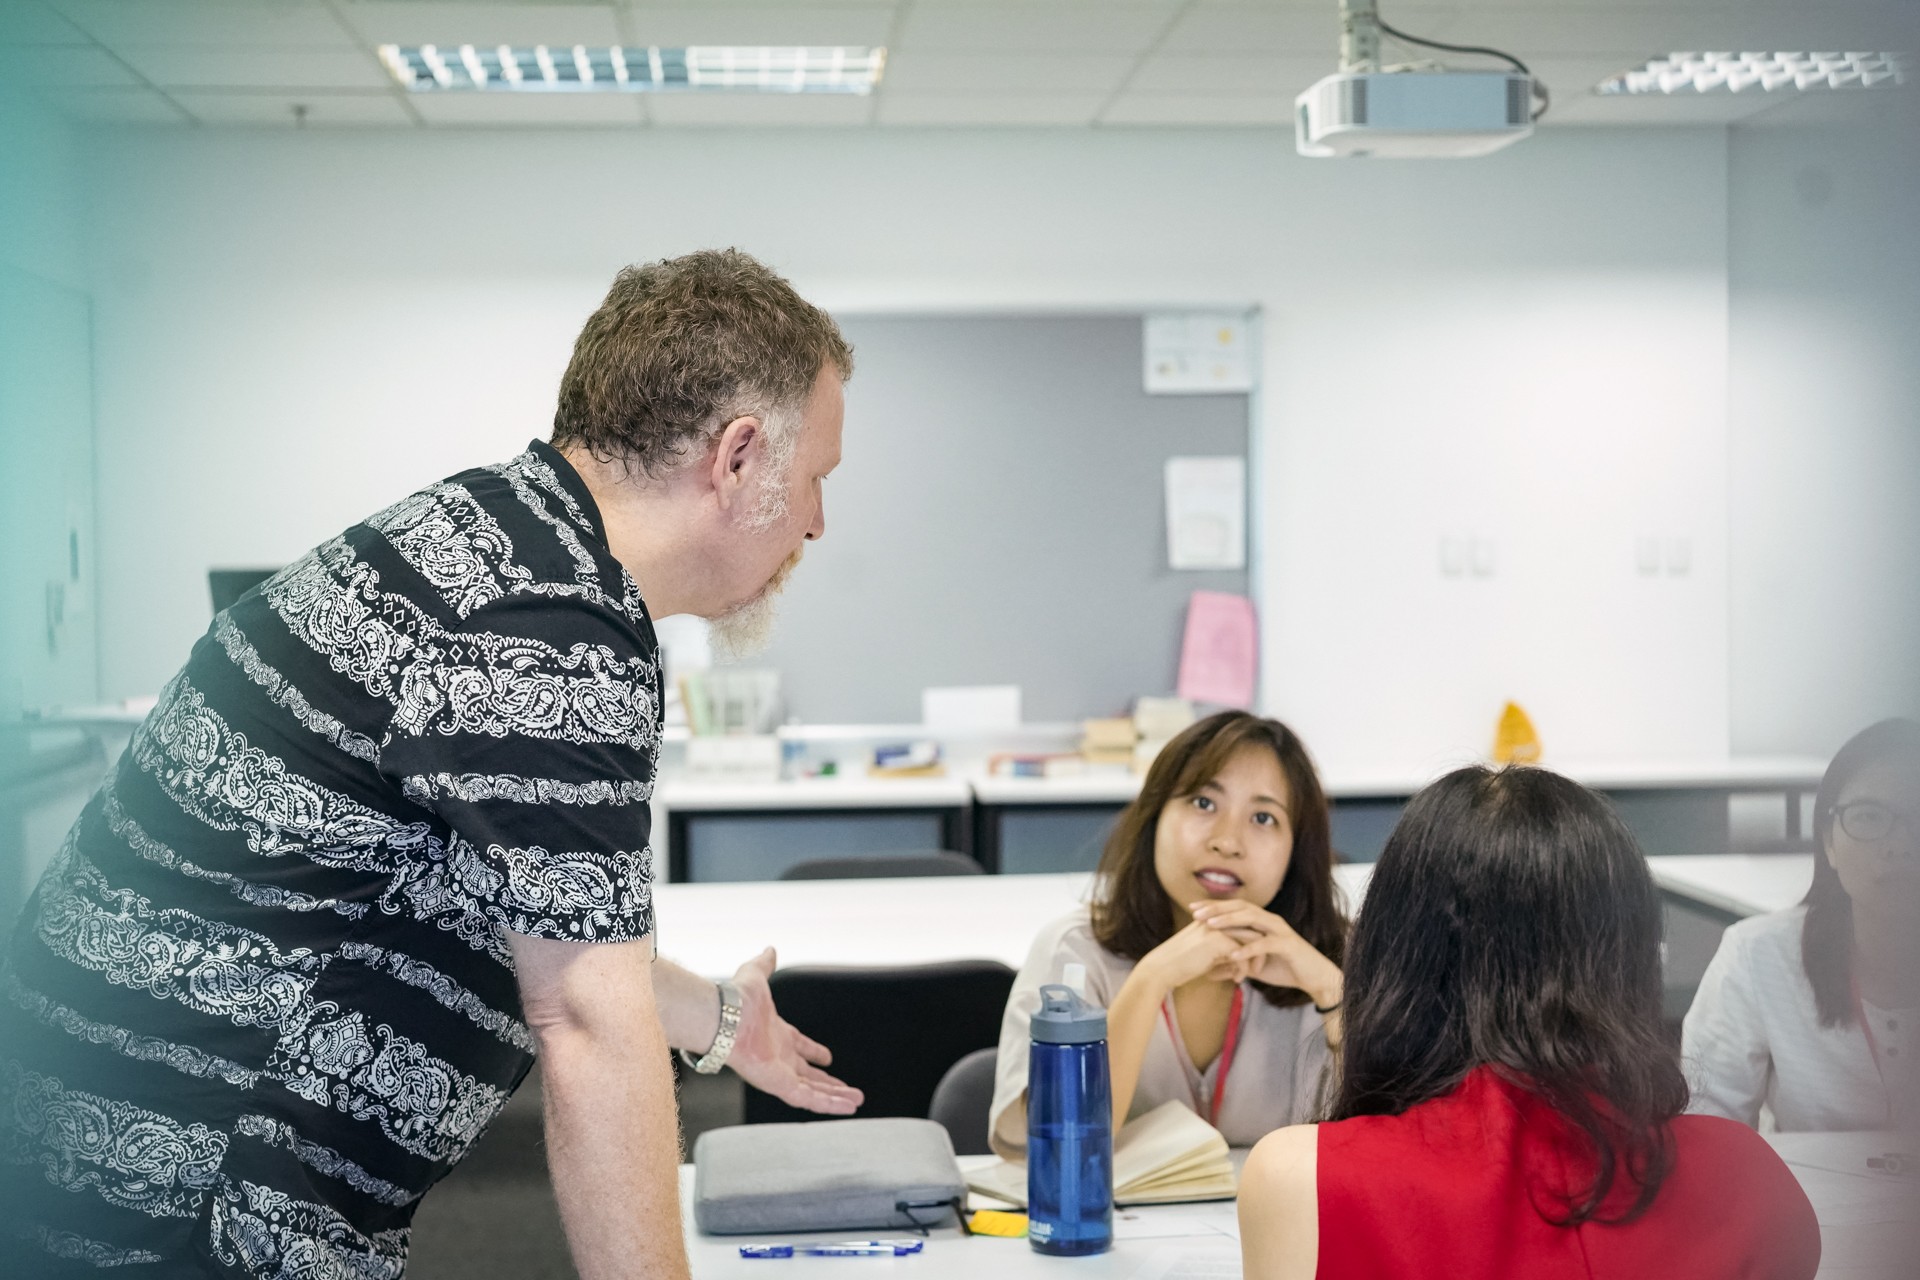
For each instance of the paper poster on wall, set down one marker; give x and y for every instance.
(1219, 653)
(1197, 353)
(1207, 513)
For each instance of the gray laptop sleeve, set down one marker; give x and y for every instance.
(824, 1175)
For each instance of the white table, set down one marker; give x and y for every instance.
(1739, 884)
(1867, 1232)
(1869, 1229)
(712, 928)
(1150, 1244)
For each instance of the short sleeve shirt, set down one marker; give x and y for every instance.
(263, 998)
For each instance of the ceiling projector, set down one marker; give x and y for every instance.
(1411, 112)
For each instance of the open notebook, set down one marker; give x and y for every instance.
(1166, 1156)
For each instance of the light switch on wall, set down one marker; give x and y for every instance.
(1679, 557)
(1486, 557)
(1453, 556)
(1646, 555)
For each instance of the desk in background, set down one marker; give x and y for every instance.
(1736, 885)
(1703, 894)
(1027, 825)
(722, 831)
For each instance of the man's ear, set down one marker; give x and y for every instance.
(734, 454)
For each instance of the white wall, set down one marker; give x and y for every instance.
(47, 626)
(47, 622)
(296, 329)
(1825, 421)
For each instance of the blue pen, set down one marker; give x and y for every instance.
(835, 1249)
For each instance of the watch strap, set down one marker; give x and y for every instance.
(716, 1056)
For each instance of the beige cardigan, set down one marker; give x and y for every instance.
(1281, 1070)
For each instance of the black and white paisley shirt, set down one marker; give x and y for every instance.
(262, 999)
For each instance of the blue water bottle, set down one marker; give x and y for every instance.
(1069, 1127)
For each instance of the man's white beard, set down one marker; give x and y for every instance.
(746, 629)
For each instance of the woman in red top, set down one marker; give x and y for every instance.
(1508, 1105)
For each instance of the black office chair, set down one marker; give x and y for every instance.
(877, 865)
(963, 1099)
(893, 1032)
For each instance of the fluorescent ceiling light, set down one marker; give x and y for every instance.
(579, 68)
(1735, 72)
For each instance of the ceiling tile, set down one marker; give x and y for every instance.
(757, 25)
(114, 106)
(1076, 28)
(258, 68)
(528, 110)
(1267, 75)
(323, 110)
(1198, 109)
(642, 6)
(1043, 74)
(207, 22)
(1246, 28)
(64, 66)
(428, 22)
(1537, 29)
(989, 109)
(759, 109)
(1658, 109)
(32, 22)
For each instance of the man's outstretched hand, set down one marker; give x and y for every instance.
(773, 1057)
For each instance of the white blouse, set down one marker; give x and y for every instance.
(1281, 1065)
(1753, 1036)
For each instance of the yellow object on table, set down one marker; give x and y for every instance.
(1515, 741)
(998, 1222)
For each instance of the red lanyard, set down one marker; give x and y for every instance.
(1873, 1046)
(1226, 1049)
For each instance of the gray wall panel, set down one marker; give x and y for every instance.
(998, 519)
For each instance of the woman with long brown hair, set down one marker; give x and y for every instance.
(1810, 1011)
(1213, 941)
(1508, 1103)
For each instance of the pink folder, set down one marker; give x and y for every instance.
(1219, 655)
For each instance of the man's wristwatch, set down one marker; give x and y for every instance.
(716, 1057)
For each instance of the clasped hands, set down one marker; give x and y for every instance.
(1232, 941)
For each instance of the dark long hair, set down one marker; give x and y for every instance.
(1826, 936)
(1511, 923)
(1130, 913)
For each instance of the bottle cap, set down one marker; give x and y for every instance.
(1064, 1018)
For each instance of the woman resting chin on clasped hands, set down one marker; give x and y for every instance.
(1213, 941)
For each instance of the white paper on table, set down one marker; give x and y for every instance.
(1207, 513)
(1214, 1219)
(978, 708)
(1190, 1261)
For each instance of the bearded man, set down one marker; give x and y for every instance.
(384, 839)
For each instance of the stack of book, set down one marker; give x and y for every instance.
(1109, 742)
(1157, 720)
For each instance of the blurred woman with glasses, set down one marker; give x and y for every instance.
(1810, 1011)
